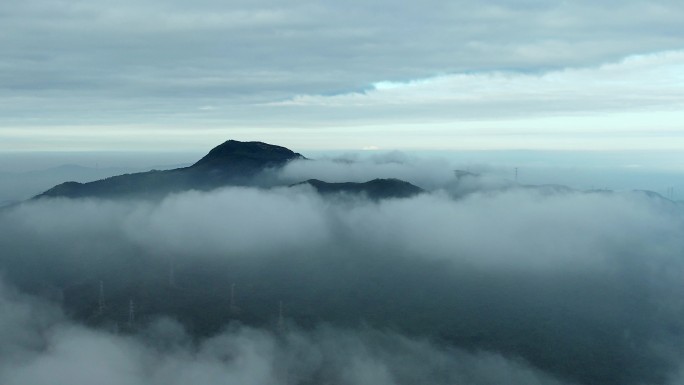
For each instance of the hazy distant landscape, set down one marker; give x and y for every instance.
(648, 170)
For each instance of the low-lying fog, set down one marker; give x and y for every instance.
(478, 281)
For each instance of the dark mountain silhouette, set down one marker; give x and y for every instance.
(374, 189)
(231, 163)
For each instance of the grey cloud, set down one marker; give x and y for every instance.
(164, 54)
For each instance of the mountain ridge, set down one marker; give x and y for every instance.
(374, 189)
(232, 163)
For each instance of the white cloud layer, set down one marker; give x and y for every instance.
(638, 82)
(548, 277)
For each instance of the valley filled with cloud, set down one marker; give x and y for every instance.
(476, 280)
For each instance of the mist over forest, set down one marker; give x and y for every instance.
(463, 192)
(475, 280)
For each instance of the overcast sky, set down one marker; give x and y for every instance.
(502, 74)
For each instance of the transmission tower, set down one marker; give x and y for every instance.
(281, 321)
(172, 274)
(101, 300)
(234, 310)
(131, 313)
(516, 175)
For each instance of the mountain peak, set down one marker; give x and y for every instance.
(246, 154)
(231, 163)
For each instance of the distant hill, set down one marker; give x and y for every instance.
(20, 185)
(231, 163)
(374, 189)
